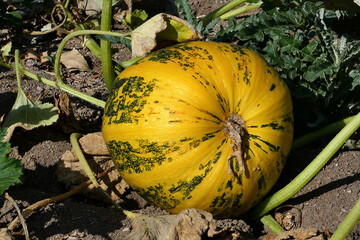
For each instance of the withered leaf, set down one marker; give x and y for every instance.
(298, 234)
(67, 120)
(189, 224)
(161, 27)
(73, 60)
(70, 171)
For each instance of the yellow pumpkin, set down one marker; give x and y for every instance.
(200, 125)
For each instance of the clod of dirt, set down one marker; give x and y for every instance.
(298, 234)
(189, 224)
(70, 172)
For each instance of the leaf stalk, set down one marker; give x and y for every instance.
(272, 224)
(105, 45)
(223, 12)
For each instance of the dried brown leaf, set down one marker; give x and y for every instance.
(143, 38)
(70, 171)
(74, 60)
(298, 234)
(67, 120)
(189, 224)
(161, 27)
(31, 54)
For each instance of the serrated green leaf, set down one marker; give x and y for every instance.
(321, 68)
(30, 114)
(185, 12)
(10, 168)
(310, 48)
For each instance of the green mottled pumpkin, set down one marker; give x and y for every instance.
(200, 125)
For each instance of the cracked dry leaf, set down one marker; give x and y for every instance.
(189, 224)
(161, 27)
(73, 60)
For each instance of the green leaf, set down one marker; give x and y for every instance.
(321, 68)
(355, 78)
(29, 114)
(10, 168)
(310, 48)
(185, 12)
(136, 18)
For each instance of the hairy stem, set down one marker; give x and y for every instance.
(272, 224)
(349, 222)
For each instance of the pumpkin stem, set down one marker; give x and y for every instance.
(234, 128)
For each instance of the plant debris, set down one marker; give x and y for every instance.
(73, 60)
(189, 224)
(70, 172)
(298, 234)
(162, 27)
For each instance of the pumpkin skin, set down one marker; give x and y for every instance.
(164, 127)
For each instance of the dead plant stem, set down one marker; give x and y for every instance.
(32, 208)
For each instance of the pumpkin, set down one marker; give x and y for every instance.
(200, 125)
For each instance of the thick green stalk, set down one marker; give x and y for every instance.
(349, 222)
(272, 224)
(247, 7)
(77, 149)
(222, 11)
(105, 45)
(17, 68)
(319, 134)
(308, 173)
